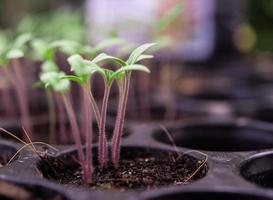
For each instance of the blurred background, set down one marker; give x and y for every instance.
(214, 57)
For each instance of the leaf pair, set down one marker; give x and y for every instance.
(14, 51)
(55, 81)
(84, 69)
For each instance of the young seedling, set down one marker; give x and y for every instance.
(10, 56)
(84, 70)
(59, 84)
(123, 76)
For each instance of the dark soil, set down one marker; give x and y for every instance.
(142, 172)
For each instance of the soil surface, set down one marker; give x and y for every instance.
(142, 172)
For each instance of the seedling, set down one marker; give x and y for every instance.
(60, 85)
(10, 55)
(123, 76)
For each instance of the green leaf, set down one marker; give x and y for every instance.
(143, 57)
(103, 56)
(77, 64)
(15, 53)
(109, 42)
(73, 78)
(49, 78)
(42, 50)
(62, 86)
(67, 46)
(49, 66)
(137, 52)
(134, 67)
(22, 39)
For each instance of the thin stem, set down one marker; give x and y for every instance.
(62, 120)
(103, 152)
(93, 104)
(75, 129)
(21, 91)
(7, 97)
(120, 122)
(52, 117)
(88, 131)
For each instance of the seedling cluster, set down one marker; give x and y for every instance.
(84, 70)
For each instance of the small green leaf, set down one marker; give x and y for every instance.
(143, 57)
(22, 39)
(73, 78)
(42, 50)
(134, 67)
(49, 66)
(77, 64)
(49, 78)
(138, 52)
(62, 86)
(15, 53)
(103, 56)
(67, 46)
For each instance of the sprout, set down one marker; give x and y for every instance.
(10, 53)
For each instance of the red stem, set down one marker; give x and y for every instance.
(62, 121)
(120, 122)
(75, 132)
(103, 152)
(94, 105)
(7, 97)
(21, 91)
(52, 117)
(88, 131)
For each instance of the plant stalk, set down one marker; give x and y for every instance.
(62, 120)
(21, 91)
(52, 117)
(88, 131)
(75, 132)
(7, 97)
(116, 141)
(103, 151)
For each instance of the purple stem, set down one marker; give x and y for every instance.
(88, 132)
(120, 122)
(52, 117)
(75, 132)
(61, 116)
(7, 97)
(21, 91)
(103, 152)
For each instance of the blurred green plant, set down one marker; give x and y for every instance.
(54, 25)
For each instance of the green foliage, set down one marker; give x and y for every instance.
(84, 69)
(61, 24)
(55, 81)
(10, 49)
(137, 54)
